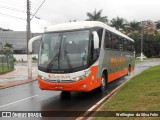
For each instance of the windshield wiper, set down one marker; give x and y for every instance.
(52, 60)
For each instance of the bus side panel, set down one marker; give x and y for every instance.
(95, 81)
(116, 75)
(115, 62)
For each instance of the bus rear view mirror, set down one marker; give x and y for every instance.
(95, 40)
(30, 43)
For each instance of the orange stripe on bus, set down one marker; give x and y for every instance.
(118, 74)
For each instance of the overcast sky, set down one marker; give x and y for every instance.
(59, 11)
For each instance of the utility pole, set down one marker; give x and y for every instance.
(29, 53)
(142, 32)
(28, 23)
(28, 36)
(142, 44)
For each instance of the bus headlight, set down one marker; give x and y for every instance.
(85, 74)
(78, 78)
(41, 77)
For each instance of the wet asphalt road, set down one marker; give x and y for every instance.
(28, 97)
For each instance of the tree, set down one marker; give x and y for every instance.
(135, 26)
(118, 23)
(158, 25)
(96, 16)
(7, 46)
(133, 29)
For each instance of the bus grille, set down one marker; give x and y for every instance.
(60, 81)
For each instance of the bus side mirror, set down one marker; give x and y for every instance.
(95, 40)
(30, 43)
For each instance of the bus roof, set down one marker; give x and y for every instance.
(84, 25)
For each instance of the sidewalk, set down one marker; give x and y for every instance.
(17, 76)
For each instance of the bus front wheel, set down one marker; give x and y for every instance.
(65, 95)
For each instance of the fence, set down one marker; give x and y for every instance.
(6, 61)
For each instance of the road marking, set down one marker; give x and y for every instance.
(17, 101)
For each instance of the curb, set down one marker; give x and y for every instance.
(15, 83)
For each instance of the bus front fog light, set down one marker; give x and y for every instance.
(84, 86)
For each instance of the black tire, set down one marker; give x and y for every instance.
(65, 95)
(103, 84)
(129, 71)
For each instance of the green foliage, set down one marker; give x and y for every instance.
(158, 26)
(97, 16)
(7, 46)
(118, 23)
(14, 59)
(135, 26)
(34, 58)
(3, 69)
(151, 44)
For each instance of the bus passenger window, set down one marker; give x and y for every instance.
(120, 46)
(108, 39)
(125, 43)
(133, 47)
(114, 42)
(129, 46)
(106, 43)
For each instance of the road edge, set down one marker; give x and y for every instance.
(13, 84)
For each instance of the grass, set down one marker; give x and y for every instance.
(141, 93)
(4, 69)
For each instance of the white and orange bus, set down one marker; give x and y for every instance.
(82, 56)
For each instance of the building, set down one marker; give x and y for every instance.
(2, 29)
(18, 40)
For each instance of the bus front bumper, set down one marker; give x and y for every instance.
(79, 86)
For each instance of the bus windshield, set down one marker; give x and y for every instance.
(64, 50)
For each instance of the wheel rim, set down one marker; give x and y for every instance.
(103, 83)
(129, 71)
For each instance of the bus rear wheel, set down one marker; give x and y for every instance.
(129, 70)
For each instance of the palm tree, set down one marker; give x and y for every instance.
(132, 27)
(96, 16)
(135, 25)
(118, 23)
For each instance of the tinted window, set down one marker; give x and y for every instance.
(108, 40)
(120, 46)
(125, 45)
(114, 42)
